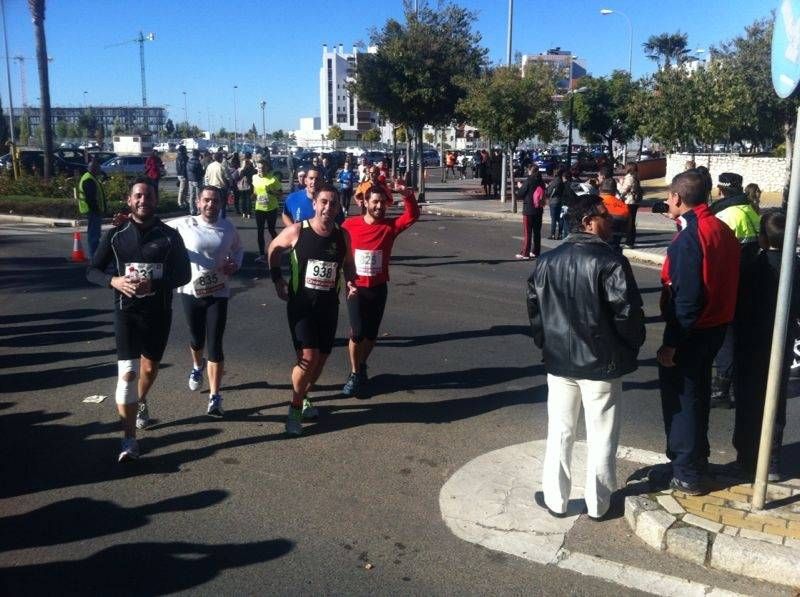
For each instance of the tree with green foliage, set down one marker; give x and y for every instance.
(252, 133)
(169, 126)
(601, 112)
(429, 137)
(118, 127)
(335, 133)
(371, 136)
(222, 133)
(278, 135)
(61, 129)
(87, 122)
(421, 68)
(510, 107)
(401, 134)
(667, 48)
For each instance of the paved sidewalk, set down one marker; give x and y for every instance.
(465, 198)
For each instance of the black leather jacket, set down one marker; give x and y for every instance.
(585, 310)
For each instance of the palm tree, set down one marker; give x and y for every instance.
(666, 48)
(37, 14)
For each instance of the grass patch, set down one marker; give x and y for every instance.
(59, 207)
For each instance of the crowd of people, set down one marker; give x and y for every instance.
(144, 260)
(719, 294)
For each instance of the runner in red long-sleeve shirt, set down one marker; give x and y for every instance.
(372, 236)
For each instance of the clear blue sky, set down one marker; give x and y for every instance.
(271, 49)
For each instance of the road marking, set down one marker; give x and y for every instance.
(490, 501)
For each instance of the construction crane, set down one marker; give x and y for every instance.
(23, 79)
(139, 40)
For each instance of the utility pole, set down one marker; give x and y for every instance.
(503, 176)
(13, 149)
(263, 104)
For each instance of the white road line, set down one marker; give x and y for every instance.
(490, 502)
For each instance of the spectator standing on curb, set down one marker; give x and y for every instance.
(699, 276)
(631, 193)
(181, 160)
(755, 318)
(617, 209)
(194, 176)
(589, 340)
(267, 189)
(496, 171)
(735, 209)
(217, 175)
(531, 194)
(92, 204)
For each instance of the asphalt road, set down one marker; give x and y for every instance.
(234, 507)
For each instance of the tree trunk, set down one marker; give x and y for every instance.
(407, 174)
(511, 178)
(441, 156)
(639, 152)
(394, 152)
(788, 141)
(421, 171)
(37, 8)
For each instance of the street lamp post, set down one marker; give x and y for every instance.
(235, 117)
(84, 98)
(263, 104)
(185, 110)
(505, 161)
(608, 11)
(571, 93)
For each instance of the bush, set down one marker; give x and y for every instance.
(34, 186)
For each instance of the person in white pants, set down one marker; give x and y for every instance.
(586, 315)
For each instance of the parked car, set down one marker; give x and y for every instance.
(32, 161)
(282, 165)
(102, 156)
(547, 163)
(430, 158)
(128, 165)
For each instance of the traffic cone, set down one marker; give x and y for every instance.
(78, 256)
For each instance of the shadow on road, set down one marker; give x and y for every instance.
(139, 568)
(42, 274)
(60, 315)
(79, 519)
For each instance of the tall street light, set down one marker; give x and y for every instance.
(84, 98)
(235, 117)
(504, 163)
(263, 104)
(185, 110)
(571, 93)
(608, 11)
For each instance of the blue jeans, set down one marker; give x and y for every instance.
(555, 218)
(94, 222)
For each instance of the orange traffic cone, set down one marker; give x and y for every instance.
(78, 256)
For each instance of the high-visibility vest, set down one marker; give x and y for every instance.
(266, 189)
(83, 206)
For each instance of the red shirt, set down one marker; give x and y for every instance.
(371, 244)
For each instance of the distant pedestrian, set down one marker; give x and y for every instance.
(496, 171)
(180, 170)
(617, 209)
(753, 192)
(531, 193)
(589, 340)
(154, 169)
(92, 204)
(556, 198)
(631, 193)
(194, 177)
(244, 186)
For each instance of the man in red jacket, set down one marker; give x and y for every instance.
(372, 236)
(700, 277)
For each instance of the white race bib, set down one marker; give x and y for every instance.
(209, 282)
(144, 271)
(320, 275)
(262, 201)
(368, 263)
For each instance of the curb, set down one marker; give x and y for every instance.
(647, 257)
(660, 524)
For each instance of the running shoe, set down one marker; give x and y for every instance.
(294, 424)
(196, 377)
(260, 259)
(130, 449)
(215, 405)
(352, 385)
(309, 410)
(533, 255)
(142, 416)
(520, 256)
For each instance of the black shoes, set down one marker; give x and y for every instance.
(538, 497)
(687, 487)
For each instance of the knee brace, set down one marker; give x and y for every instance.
(127, 391)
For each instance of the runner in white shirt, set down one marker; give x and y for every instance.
(215, 253)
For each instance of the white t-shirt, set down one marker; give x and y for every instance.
(209, 245)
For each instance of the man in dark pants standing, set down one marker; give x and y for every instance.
(699, 277)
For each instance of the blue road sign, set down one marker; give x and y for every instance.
(786, 48)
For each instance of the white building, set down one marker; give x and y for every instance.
(337, 105)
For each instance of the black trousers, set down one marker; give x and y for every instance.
(269, 218)
(631, 237)
(685, 402)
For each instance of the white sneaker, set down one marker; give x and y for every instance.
(215, 406)
(142, 416)
(130, 450)
(196, 377)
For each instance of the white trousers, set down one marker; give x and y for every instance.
(564, 399)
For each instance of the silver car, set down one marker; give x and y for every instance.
(129, 165)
